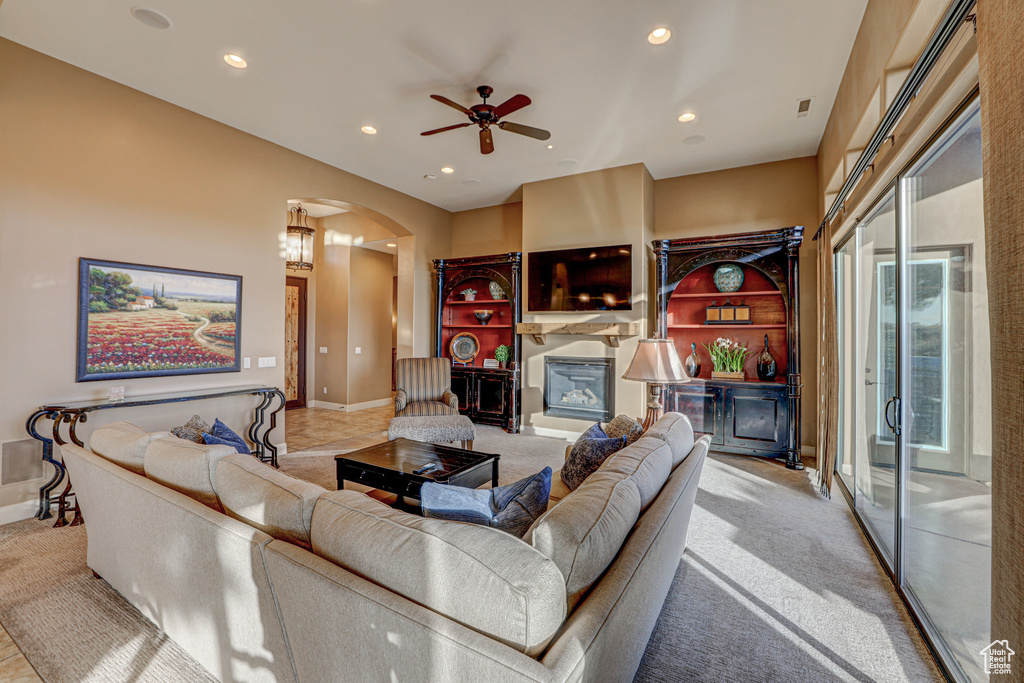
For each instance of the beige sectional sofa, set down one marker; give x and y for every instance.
(262, 577)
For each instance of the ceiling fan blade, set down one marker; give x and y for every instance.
(514, 103)
(529, 131)
(441, 130)
(486, 142)
(454, 105)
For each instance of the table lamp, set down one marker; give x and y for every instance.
(656, 362)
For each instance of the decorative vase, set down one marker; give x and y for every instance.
(693, 361)
(503, 364)
(767, 368)
(496, 291)
(728, 277)
(483, 317)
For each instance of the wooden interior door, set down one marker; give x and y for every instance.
(295, 343)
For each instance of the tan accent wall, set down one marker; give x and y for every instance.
(370, 296)
(100, 170)
(490, 230)
(760, 197)
(1001, 56)
(588, 209)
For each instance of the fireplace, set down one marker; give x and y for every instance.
(580, 388)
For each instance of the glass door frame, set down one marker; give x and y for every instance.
(943, 656)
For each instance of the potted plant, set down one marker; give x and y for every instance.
(502, 354)
(727, 358)
(469, 293)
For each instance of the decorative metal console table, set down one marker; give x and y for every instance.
(72, 413)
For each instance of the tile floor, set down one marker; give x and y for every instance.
(309, 427)
(14, 668)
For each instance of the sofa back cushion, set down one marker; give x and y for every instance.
(675, 430)
(647, 462)
(584, 532)
(269, 500)
(124, 444)
(186, 467)
(484, 578)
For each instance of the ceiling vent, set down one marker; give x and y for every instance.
(803, 107)
(150, 17)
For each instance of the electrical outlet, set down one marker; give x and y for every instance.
(359, 350)
(247, 362)
(325, 390)
(323, 349)
(267, 361)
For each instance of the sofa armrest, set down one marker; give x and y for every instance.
(451, 399)
(401, 400)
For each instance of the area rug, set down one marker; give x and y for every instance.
(776, 584)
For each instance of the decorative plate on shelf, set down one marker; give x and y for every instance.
(464, 347)
(728, 277)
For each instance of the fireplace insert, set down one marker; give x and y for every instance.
(580, 388)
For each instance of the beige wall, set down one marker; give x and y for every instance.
(589, 209)
(105, 171)
(369, 374)
(760, 197)
(490, 230)
(331, 268)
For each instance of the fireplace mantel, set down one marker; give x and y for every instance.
(612, 332)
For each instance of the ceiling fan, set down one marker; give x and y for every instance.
(487, 115)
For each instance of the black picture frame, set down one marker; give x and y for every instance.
(143, 336)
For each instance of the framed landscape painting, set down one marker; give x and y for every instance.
(148, 321)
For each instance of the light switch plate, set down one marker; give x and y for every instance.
(323, 349)
(247, 362)
(267, 361)
(359, 350)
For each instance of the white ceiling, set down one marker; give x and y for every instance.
(320, 69)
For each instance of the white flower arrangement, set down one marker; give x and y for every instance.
(727, 355)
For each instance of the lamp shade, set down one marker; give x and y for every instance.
(656, 361)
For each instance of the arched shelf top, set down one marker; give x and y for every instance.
(745, 257)
(475, 274)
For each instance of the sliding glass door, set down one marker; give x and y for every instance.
(915, 424)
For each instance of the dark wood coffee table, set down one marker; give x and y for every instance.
(392, 466)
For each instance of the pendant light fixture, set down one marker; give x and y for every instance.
(299, 245)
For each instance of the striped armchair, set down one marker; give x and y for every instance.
(424, 387)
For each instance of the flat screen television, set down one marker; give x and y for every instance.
(593, 279)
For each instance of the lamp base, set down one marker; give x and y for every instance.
(654, 408)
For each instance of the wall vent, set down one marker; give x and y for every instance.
(803, 107)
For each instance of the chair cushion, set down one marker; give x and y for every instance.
(624, 425)
(124, 444)
(584, 532)
(675, 430)
(222, 434)
(587, 454)
(648, 462)
(488, 580)
(433, 429)
(192, 430)
(512, 508)
(269, 500)
(185, 467)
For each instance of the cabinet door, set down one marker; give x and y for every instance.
(757, 418)
(703, 405)
(462, 387)
(490, 396)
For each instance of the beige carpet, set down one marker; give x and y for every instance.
(777, 584)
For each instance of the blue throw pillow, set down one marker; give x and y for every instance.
(512, 508)
(222, 434)
(590, 450)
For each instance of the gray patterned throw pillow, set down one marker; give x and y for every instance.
(590, 450)
(624, 425)
(512, 508)
(192, 430)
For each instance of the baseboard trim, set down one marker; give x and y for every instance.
(554, 433)
(809, 451)
(352, 407)
(18, 511)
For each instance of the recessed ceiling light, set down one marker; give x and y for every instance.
(447, 169)
(687, 116)
(659, 35)
(392, 245)
(150, 17)
(430, 176)
(551, 146)
(235, 61)
(369, 130)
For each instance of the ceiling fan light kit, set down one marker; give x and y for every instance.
(486, 115)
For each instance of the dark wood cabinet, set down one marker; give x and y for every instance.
(486, 395)
(747, 416)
